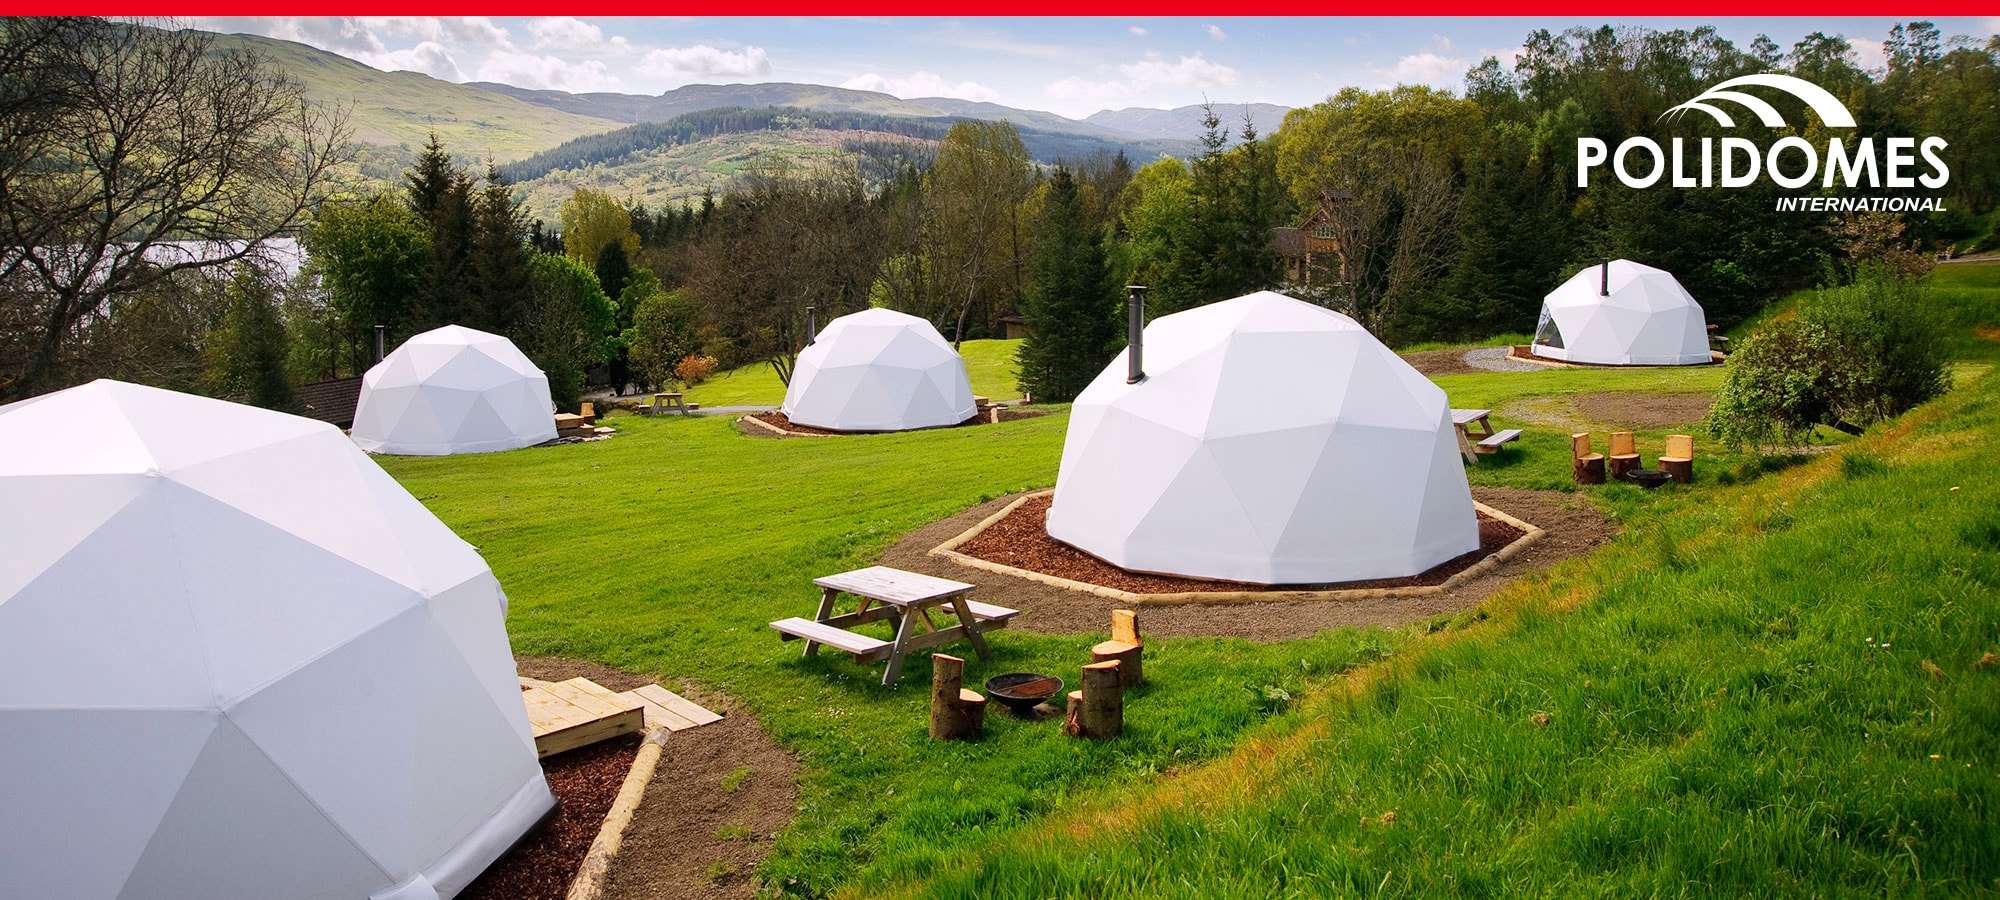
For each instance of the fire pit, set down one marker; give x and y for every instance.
(1647, 478)
(1022, 691)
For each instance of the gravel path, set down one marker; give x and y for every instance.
(1494, 359)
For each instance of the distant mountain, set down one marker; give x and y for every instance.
(637, 108)
(1184, 123)
(397, 111)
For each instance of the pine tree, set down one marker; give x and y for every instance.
(498, 269)
(430, 179)
(1070, 304)
(613, 269)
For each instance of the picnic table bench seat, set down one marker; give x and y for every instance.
(1494, 440)
(864, 648)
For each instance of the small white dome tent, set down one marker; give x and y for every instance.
(453, 390)
(1622, 313)
(239, 662)
(879, 370)
(1272, 442)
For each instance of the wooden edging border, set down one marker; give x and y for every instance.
(596, 869)
(752, 420)
(949, 550)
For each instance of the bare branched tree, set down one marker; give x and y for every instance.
(121, 140)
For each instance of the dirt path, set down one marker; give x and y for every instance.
(1574, 528)
(721, 793)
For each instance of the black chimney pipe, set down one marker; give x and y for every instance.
(1135, 334)
(812, 331)
(1604, 285)
(379, 329)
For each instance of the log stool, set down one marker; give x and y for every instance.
(1098, 711)
(957, 713)
(1586, 467)
(1678, 461)
(1624, 455)
(1125, 647)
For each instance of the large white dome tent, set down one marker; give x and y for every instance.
(879, 370)
(1622, 313)
(237, 660)
(1270, 441)
(453, 390)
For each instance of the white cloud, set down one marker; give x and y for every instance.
(1869, 54)
(1426, 68)
(1190, 71)
(574, 35)
(430, 58)
(1216, 33)
(1444, 43)
(459, 30)
(546, 72)
(1137, 31)
(1507, 56)
(703, 61)
(922, 84)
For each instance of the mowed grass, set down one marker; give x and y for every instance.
(989, 365)
(1717, 721)
(667, 550)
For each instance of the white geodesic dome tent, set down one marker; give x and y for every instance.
(453, 390)
(879, 370)
(1271, 442)
(239, 662)
(1622, 313)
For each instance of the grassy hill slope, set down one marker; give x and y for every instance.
(1779, 689)
(393, 113)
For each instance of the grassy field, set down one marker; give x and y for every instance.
(1734, 697)
(989, 364)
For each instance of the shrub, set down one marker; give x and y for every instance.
(693, 370)
(1853, 356)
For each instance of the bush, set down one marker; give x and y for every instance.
(1853, 356)
(693, 370)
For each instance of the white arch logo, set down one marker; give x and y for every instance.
(1790, 162)
(1823, 104)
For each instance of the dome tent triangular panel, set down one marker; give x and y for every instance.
(1622, 313)
(425, 398)
(878, 370)
(236, 785)
(1282, 488)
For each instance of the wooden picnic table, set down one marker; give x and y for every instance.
(668, 400)
(1463, 420)
(906, 598)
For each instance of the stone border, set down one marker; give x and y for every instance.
(949, 550)
(596, 869)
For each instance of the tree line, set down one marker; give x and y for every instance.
(1448, 216)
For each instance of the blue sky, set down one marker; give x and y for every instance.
(1070, 66)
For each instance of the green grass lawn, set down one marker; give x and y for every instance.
(1722, 719)
(989, 364)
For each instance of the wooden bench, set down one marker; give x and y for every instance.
(1492, 442)
(987, 612)
(865, 649)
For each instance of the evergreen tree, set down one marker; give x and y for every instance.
(247, 355)
(613, 269)
(1070, 303)
(498, 270)
(430, 178)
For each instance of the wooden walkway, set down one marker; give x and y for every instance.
(565, 715)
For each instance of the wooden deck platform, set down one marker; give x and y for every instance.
(565, 715)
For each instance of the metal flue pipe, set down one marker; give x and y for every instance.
(1604, 283)
(812, 331)
(379, 329)
(1135, 333)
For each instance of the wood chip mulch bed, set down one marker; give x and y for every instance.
(585, 782)
(1021, 540)
(778, 420)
